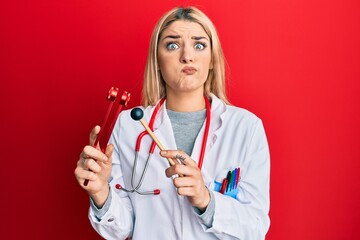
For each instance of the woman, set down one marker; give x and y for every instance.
(185, 65)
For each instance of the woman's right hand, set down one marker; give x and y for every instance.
(95, 166)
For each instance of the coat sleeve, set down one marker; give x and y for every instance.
(117, 223)
(246, 217)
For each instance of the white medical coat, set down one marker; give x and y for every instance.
(236, 139)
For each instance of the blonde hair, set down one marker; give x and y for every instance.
(154, 85)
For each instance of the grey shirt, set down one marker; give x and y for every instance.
(186, 126)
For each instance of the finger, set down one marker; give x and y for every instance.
(92, 165)
(91, 152)
(179, 155)
(179, 169)
(93, 135)
(82, 174)
(109, 150)
(173, 153)
(186, 191)
(184, 182)
(80, 163)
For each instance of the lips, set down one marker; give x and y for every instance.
(189, 70)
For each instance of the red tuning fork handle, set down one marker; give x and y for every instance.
(108, 126)
(110, 119)
(111, 97)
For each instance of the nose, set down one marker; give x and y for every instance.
(187, 55)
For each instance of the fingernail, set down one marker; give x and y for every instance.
(163, 152)
(105, 158)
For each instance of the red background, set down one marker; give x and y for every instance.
(294, 63)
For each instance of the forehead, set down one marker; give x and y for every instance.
(184, 28)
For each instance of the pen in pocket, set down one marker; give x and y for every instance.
(228, 185)
(223, 186)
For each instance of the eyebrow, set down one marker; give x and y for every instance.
(178, 36)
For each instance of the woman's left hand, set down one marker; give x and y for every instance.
(191, 184)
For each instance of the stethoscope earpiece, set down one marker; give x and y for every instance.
(154, 192)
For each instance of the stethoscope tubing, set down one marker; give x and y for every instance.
(136, 188)
(152, 147)
(151, 151)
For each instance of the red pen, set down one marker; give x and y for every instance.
(223, 185)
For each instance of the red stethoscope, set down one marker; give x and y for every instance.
(135, 187)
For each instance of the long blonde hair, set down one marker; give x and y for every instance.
(154, 85)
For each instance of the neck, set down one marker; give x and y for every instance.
(185, 102)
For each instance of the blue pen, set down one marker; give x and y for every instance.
(234, 181)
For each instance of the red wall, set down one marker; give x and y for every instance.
(295, 63)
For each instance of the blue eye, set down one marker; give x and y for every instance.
(200, 46)
(172, 46)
